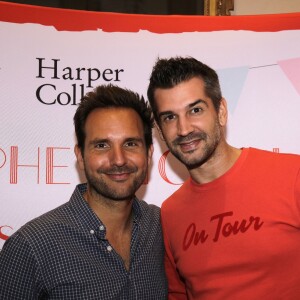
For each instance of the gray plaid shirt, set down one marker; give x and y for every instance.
(63, 254)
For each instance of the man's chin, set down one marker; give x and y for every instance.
(190, 162)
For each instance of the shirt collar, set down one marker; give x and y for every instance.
(87, 216)
(84, 214)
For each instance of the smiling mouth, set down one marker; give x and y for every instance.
(118, 176)
(189, 146)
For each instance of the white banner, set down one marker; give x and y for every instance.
(44, 72)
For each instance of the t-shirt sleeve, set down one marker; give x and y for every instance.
(18, 270)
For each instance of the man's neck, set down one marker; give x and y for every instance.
(222, 160)
(113, 214)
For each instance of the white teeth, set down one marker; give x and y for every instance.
(188, 143)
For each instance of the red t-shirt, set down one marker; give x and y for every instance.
(237, 237)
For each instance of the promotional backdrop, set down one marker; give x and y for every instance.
(51, 57)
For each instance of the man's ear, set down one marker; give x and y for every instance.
(159, 132)
(79, 157)
(150, 153)
(223, 113)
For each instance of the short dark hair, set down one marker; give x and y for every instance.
(112, 96)
(168, 73)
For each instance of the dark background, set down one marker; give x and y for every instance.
(154, 7)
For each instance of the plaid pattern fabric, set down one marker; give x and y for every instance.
(63, 254)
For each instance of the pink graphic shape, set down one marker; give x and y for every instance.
(291, 69)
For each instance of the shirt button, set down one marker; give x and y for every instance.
(101, 227)
(109, 248)
(92, 231)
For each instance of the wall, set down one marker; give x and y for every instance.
(256, 7)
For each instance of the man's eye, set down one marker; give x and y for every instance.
(100, 145)
(131, 144)
(196, 110)
(168, 118)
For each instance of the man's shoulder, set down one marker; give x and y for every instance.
(275, 157)
(148, 208)
(174, 200)
(268, 165)
(149, 214)
(65, 215)
(44, 224)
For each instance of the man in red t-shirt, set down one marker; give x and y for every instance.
(232, 231)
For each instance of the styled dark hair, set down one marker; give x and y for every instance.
(168, 73)
(111, 96)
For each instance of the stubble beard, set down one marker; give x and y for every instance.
(102, 188)
(211, 143)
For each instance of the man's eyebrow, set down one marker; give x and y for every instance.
(104, 140)
(197, 102)
(190, 105)
(97, 141)
(163, 113)
(134, 139)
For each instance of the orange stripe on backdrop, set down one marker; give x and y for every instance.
(78, 20)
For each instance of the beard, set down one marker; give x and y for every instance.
(211, 142)
(102, 186)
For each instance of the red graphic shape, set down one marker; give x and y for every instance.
(162, 168)
(2, 235)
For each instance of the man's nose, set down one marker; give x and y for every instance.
(184, 126)
(118, 156)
